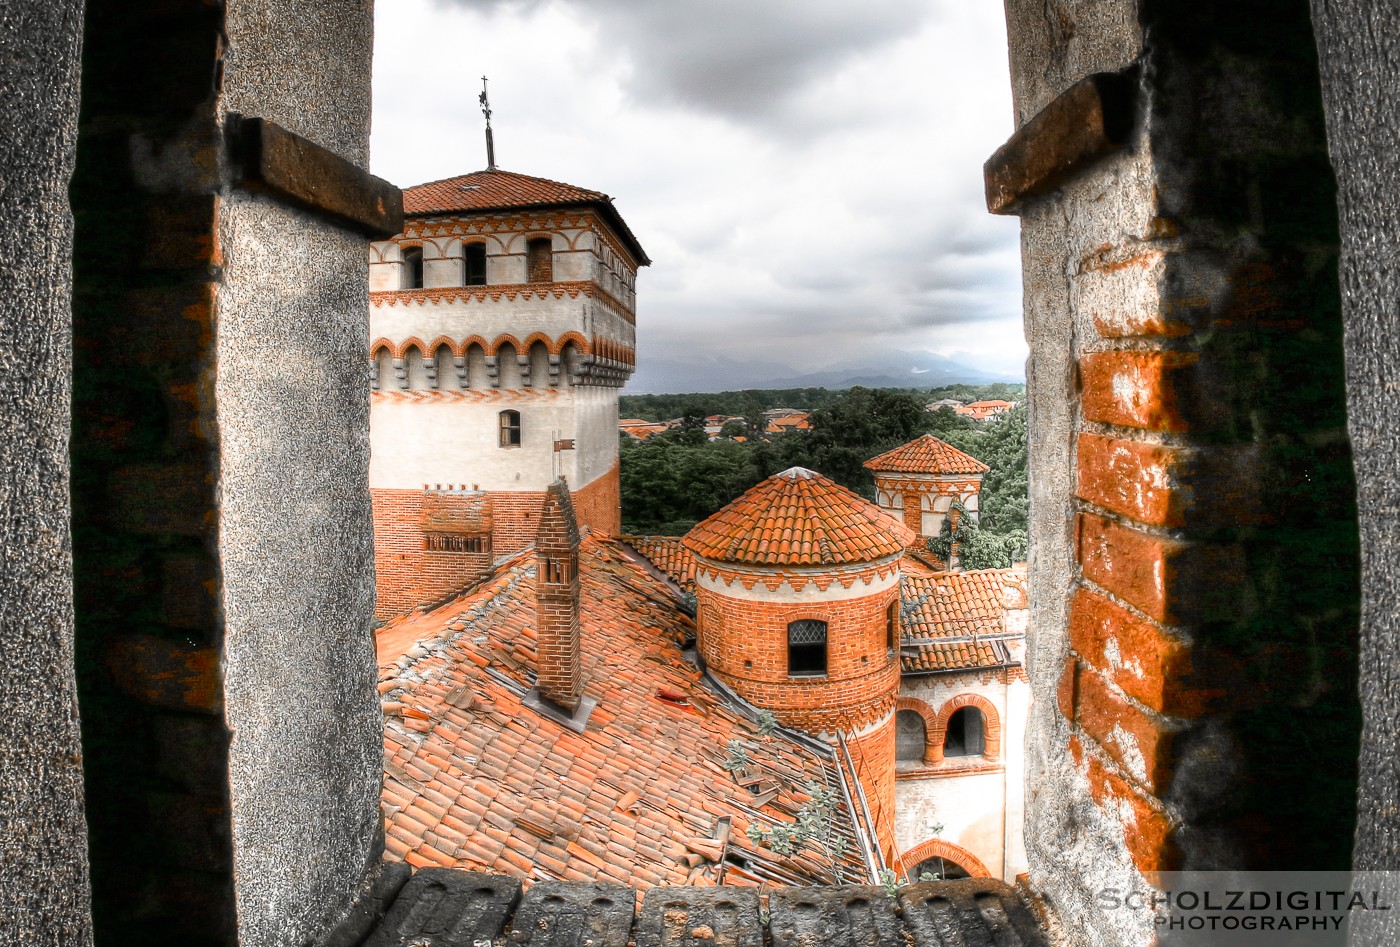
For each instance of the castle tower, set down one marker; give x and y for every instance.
(798, 600)
(503, 323)
(919, 482)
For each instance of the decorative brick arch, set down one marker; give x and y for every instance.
(579, 342)
(990, 718)
(411, 342)
(439, 342)
(937, 848)
(495, 347)
(477, 340)
(544, 340)
(929, 716)
(381, 344)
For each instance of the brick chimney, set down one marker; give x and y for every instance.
(556, 600)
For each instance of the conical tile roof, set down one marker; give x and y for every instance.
(799, 518)
(927, 454)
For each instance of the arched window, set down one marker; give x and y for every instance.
(510, 428)
(806, 648)
(539, 260)
(940, 868)
(412, 274)
(892, 625)
(966, 734)
(911, 736)
(473, 264)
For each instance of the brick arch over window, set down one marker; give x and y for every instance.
(991, 725)
(938, 848)
(930, 717)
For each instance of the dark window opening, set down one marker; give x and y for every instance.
(806, 648)
(474, 264)
(557, 571)
(966, 734)
(942, 869)
(540, 260)
(892, 625)
(412, 268)
(911, 736)
(510, 428)
(454, 542)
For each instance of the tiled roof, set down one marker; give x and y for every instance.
(955, 656)
(506, 190)
(927, 454)
(476, 780)
(798, 518)
(958, 607)
(669, 555)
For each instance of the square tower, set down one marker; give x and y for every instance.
(503, 322)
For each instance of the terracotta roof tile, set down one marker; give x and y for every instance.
(927, 454)
(498, 788)
(669, 555)
(799, 518)
(507, 190)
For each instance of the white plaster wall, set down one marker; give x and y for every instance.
(870, 584)
(992, 816)
(413, 442)
(971, 808)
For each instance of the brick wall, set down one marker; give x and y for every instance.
(408, 576)
(1194, 554)
(557, 601)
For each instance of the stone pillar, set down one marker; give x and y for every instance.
(1193, 544)
(1359, 49)
(222, 543)
(44, 896)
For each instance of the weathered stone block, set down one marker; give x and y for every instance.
(968, 911)
(561, 914)
(699, 917)
(846, 916)
(441, 907)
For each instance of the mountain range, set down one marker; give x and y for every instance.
(661, 374)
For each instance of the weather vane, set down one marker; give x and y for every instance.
(490, 144)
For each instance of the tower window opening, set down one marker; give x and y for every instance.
(966, 735)
(510, 428)
(807, 648)
(892, 625)
(412, 268)
(539, 260)
(474, 264)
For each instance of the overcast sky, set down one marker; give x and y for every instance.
(806, 176)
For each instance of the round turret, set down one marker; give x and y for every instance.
(797, 584)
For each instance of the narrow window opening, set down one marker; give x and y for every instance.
(412, 268)
(540, 260)
(510, 428)
(474, 264)
(892, 626)
(966, 734)
(807, 648)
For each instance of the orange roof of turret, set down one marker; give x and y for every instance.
(929, 455)
(799, 518)
(504, 190)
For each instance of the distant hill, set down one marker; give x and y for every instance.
(667, 374)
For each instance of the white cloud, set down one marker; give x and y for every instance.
(807, 177)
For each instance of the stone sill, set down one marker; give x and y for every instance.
(454, 908)
(964, 766)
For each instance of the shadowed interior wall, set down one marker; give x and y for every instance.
(223, 547)
(44, 897)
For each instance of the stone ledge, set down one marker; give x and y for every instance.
(442, 907)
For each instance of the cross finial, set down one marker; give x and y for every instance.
(490, 144)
